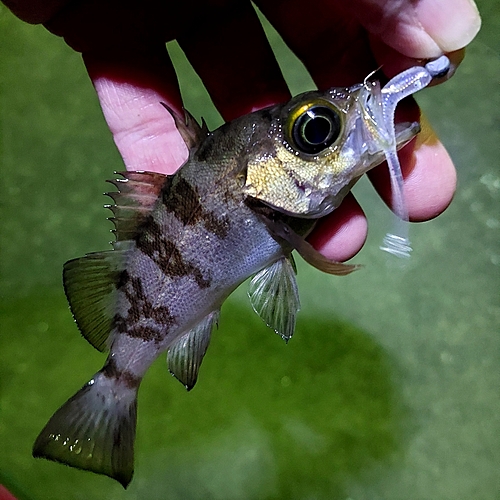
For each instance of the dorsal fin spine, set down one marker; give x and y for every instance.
(189, 129)
(136, 197)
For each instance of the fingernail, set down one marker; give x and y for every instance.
(452, 25)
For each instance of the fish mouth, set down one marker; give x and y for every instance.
(377, 133)
(372, 153)
(405, 132)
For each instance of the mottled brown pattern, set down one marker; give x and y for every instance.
(111, 371)
(183, 200)
(167, 256)
(119, 323)
(219, 227)
(141, 309)
(122, 279)
(146, 333)
(179, 267)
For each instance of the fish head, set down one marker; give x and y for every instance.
(316, 146)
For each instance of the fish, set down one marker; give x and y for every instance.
(248, 195)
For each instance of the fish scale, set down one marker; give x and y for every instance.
(248, 195)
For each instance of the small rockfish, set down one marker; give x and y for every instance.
(248, 195)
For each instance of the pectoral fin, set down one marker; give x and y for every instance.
(186, 354)
(307, 251)
(275, 298)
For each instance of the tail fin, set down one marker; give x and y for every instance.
(94, 430)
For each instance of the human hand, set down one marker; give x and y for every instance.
(123, 46)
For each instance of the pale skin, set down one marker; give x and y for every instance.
(123, 46)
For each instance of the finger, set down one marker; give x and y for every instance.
(334, 39)
(429, 176)
(124, 51)
(341, 235)
(230, 52)
(130, 87)
(392, 62)
(326, 37)
(90, 25)
(423, 29)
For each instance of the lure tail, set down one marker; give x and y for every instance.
(95, 429)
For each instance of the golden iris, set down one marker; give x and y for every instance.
(314, 126)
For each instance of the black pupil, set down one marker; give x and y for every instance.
(316, 129)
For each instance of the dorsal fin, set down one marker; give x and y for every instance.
(191, 132)
(135, 198)
(90, 283)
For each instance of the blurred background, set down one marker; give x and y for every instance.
(389, 388)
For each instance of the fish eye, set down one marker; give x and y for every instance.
(314, 127)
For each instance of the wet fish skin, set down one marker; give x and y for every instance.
(247, 196)
(184, 260)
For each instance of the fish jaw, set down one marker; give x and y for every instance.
(366, 144)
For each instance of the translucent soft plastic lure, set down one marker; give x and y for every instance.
(379, 109)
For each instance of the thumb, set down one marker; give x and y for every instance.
(423, 29)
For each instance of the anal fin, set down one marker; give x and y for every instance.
(186, 354)
(274, 296)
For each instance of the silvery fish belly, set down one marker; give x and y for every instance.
(248, 195)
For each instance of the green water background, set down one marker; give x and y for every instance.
(390, 387)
